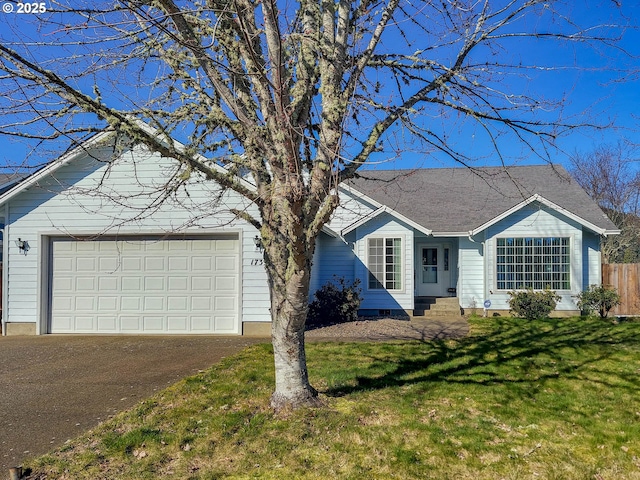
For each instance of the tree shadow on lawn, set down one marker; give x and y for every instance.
(508, 351)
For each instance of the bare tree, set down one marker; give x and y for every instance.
(300, 95)
(610, 175)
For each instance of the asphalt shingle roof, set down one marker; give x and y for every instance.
(462, 199)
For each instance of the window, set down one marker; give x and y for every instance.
(533, 262)
(385, 263)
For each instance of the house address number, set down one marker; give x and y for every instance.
(257, 261)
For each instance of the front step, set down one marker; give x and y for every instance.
(426, 307)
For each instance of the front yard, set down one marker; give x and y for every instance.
(554, 399)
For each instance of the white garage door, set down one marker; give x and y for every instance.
(145, 286)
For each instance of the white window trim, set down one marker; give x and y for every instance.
(403, 279)
(572, 260)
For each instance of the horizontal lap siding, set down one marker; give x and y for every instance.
(352, 208)
(385, 225)
(256, 300)
(333, 258)
(68, 203)
(536, 220)
(591, 269)
(471, 291)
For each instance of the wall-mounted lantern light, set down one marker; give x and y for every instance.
(23, 246)
(258, 243)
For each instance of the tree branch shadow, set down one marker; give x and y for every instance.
(479, 357)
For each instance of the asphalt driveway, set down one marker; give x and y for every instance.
(55, 387)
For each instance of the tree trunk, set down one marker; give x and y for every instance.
(292, 380)
(288, 267)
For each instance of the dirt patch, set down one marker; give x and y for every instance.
(380, 329)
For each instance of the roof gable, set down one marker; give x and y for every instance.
(80, 152)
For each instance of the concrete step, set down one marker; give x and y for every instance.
(426, 307)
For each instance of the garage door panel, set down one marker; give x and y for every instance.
(108, 264)
(154, 303)
(107, 303)
(63, 284)
(225, 264)
(130, 323)
(225, 323)
(154, 283)
(177, 304)
(178, 284)
(132, 284)
(153, 323)
(107, 324)
(177, 324)
(85, 323)
(225, 245)
(225, 283)
(154, 263)
(63, 265)
(201, 284)
(85, 303)
(179, 264)
(131, 264)
(85, 284)
(129, 304)
(145, 286)
(200, 263)
(225, 304)
(107, 284)
(202, 324)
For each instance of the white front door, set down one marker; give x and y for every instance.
(434, 276)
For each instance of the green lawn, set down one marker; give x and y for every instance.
(555, 399)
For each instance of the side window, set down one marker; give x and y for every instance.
(384, 257)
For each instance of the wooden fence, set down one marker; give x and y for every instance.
(625, 278)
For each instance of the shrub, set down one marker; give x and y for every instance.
(337, 301)
(532, 304)
(599, 299)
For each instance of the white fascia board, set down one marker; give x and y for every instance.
(548, 203)
(361, 221)
(384, 209)
(450, 234)
(329, 231)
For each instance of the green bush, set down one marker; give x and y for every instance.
(598, 298)
(337, 301)
(532, 304)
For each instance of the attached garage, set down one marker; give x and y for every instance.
(145, 285)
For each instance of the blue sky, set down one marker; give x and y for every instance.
(590, 84)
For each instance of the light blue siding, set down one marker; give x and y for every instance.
(352, 208)
(333, 257)
(536, 220)
(385, 225)
(471, 279)
(592, 267)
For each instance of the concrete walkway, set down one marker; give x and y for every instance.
(55, 387)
